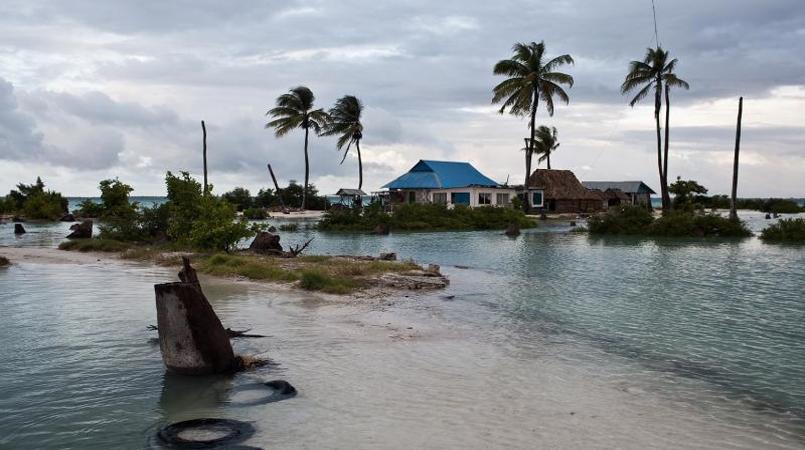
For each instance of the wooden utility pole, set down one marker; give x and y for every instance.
(204, 133)
(276, 186)
(734, 198)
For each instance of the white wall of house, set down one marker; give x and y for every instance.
(478, 196)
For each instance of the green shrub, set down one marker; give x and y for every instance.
(626, 219)
(215, 227)
(89, 208)
(636, 220)
(289, 227)
(94, 245)
(317, 280)
(424, 217)
(184, 204)
(34, 202)
(786, 230)
(255, 213)
(239, 197)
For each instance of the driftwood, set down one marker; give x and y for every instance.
(296, 250)
(191, 338)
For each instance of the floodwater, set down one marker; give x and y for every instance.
(550, 340)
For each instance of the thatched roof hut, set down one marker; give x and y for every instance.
(564, 193)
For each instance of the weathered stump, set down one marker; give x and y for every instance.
(381, 229)
(19, 229)
(512, 230)
(81, 230)
(191, 337)
(390, 256)
(266, 243)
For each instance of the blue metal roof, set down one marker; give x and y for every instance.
(428, 174)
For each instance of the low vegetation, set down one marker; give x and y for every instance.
(786, 231)
(768, 205)
(635, 220)
(94, 245)
(34, 202)
(255, 214)
(424, 217)
(330, 274)
(289, 227)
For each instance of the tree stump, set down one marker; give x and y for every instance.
(191, 337)
(512, 230)
(81, 230)
(19, 229)
(266, 243)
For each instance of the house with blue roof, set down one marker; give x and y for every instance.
(448, 183)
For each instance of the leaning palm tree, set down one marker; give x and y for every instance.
(295, 110)
(345, 121)
(655, 69)
(546, 143)
(531, 78)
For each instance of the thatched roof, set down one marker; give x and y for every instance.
(611, 194)
(560, 184)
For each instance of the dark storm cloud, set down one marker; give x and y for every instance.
(130, 80)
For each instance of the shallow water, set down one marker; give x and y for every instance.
(551, 340)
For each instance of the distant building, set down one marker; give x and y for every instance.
(448, 183)
(638, 192)
(562, 192)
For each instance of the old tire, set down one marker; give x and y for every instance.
(236, 432)
(278, 390)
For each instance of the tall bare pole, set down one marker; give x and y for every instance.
(204, 133)
(276, 186)
(734, 198)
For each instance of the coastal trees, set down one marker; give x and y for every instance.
(656, 70)
(685, 191)
(531, 77)
(35, 202)
(295, 110)
(345, 121)
(546, 143)
(239, 197)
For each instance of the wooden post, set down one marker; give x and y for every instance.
(204, 133)
(276, 186)
(734, 198)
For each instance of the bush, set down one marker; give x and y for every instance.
(289, 227)
(89, 208)
(786, 230)
(215, 227)
(636, 220)
(317, 280)
(265, 198)
(425, 217)
(239, 197)
(34, 202)
(255, 214)
(626, 219)
(94, 245)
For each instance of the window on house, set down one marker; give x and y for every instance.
(502, 199)
(440, 198)
(484, 198)
(536, 199)
(460, 198)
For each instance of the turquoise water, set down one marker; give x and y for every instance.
(716, 326)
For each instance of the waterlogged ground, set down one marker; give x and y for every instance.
(551, 340)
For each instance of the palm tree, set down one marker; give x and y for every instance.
(546, 143)
(655, 69)
(295, 110)
(531, 78)
(345, 121)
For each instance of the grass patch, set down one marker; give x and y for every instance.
(318, 280)
(94, 245)
(786, 230)
(289, 227)
(4, 261)
(252, 267)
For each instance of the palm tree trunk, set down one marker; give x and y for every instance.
(530, 151)
(360, 165)
(667, 139)
(657, 106)
(548, 155)
(307, 173)
(734, 194)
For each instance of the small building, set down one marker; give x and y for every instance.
(612, 197)
(448, 183)
(638, 192)
(562, 192)
(347, 197)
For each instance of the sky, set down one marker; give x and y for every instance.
(93, 90)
